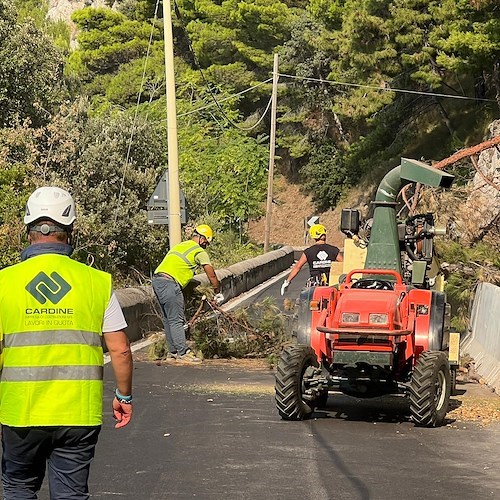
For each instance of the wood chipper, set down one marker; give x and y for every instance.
(385, 328)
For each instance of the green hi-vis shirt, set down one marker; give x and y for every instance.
(182, 260)
(51, 316)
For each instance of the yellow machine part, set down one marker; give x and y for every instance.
(354, 258)
(435, 272)
(454, 348)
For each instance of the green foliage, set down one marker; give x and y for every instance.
(140, 10)
(17, 167)
(481, 253)
(330, 11)
(134, 79)
(111, 153)
(33, 9)
(107, 40)
(238, 34)
(326, 175)
(24, 92)
(229, 247)
(468, 38)
(111, 166)
(223, 173)
(258, 330)
(37, 10)
(478, 263)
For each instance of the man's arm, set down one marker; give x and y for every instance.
(295, 270)
(297, 267)
(121, 360)
(209, 271)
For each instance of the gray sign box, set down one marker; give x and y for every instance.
(158, 203)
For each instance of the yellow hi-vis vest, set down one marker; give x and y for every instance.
(180, 262)
(51, 316)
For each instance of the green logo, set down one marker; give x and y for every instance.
(44, 288)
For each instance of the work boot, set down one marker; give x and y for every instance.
(189, 356)
(172, 356)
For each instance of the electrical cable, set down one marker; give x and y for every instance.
(207, 84)
(136, 113)
(197, 110)
(388, 89)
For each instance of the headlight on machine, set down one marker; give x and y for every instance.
(378, 319)
(350, 317)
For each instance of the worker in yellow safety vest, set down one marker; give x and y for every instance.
(54, 313)
(172, 275)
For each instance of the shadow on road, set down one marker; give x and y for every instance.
(389, 409)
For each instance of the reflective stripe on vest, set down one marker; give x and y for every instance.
(51, 311)
(52, 337)
(180, 262)
(44, 373)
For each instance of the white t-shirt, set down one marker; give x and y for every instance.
(114, 320)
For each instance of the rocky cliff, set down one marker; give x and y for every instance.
(62, 9)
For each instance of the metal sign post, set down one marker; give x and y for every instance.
(308, 223)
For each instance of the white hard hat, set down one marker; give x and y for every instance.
(50, 203)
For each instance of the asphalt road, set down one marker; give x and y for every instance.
(212, 431)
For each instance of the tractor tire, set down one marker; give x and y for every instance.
(430, 389)
(289, 386)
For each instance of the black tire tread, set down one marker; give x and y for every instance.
(293, 360)
(422, 407)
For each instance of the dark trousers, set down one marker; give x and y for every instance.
(66, 451)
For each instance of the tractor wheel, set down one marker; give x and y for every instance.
(430, 389)
(289, 387)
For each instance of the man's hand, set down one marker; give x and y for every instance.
(284, 286)
(122, 413)
(219, 298)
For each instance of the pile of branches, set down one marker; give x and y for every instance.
(256, 331)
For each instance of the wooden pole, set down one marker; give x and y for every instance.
(272, 146)
(174, 202)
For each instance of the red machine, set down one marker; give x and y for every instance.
(384, 329)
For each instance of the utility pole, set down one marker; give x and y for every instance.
(174, 203)
(272, 146)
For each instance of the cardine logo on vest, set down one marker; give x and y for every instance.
(46, 289)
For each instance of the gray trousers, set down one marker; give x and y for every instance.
(169, 295)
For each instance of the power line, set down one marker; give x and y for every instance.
(333, 82)
(385, 89)
(207, 84)
(225, 98)
(132, 132)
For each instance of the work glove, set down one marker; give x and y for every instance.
(122, 412)
(284, 286)
(219, 298)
